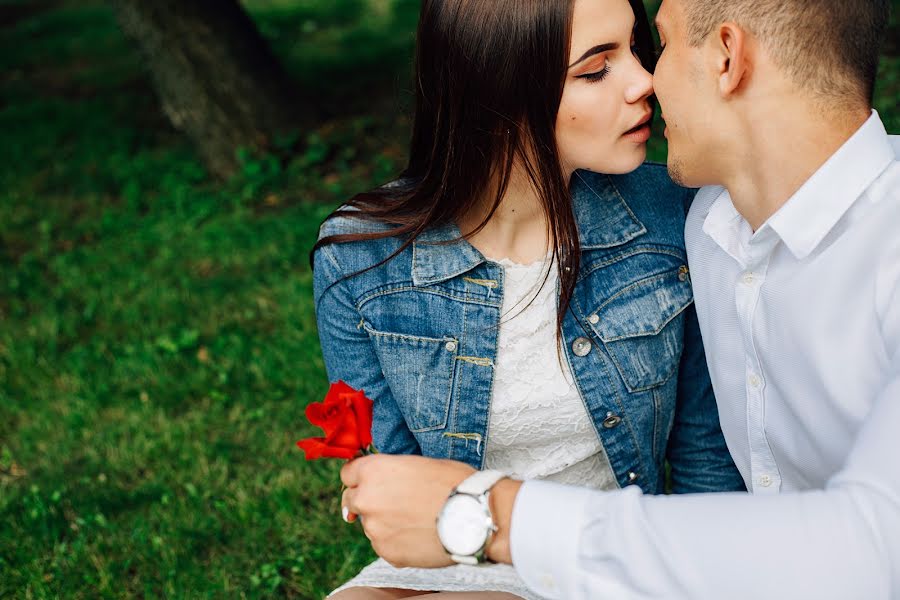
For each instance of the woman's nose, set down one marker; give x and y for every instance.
(641, 85)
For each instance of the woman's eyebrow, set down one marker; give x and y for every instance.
(594, 51)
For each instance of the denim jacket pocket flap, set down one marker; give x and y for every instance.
(640, 328)
(419, 371)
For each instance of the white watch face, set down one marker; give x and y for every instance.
(463, 525)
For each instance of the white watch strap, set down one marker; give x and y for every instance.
(479, 482)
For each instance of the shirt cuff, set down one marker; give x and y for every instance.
(545, 531)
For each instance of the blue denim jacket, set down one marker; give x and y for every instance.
(419, 335)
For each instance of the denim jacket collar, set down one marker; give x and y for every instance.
(604, 221)
(440, 254)
(604, 218)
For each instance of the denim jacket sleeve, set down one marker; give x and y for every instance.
(349, 355)
(696, 451)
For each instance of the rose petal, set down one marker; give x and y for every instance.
(316, 448)
(327, 417)
(347, 435)
(336, 390)
(362, 407)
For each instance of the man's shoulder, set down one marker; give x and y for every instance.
(895, 144)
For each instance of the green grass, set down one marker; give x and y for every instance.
(157, 343)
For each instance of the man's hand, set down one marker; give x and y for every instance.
(399, 499)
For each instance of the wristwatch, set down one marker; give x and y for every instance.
(465, 525)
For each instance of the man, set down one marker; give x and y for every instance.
(796, 271)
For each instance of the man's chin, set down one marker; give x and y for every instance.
(677, 172)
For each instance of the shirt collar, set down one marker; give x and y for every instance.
(814, 210)
(604, 221)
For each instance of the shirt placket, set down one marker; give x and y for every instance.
(765, 475)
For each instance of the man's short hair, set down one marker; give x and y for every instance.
(830, 47)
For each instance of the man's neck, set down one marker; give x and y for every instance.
(782, 151)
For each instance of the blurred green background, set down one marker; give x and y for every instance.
(157, 339)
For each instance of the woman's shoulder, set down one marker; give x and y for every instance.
(351, 241)
(350, 220)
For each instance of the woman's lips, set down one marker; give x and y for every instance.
(639, 134)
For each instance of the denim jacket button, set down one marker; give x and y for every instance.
(594, 319)
(632, 476)
(581, 346)
(450, 346)
(611, 420)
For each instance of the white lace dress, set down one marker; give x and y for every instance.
(538, 428)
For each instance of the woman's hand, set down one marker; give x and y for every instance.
(399, 499)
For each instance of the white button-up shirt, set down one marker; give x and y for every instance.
(801, 322)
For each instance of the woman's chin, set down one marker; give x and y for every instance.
(625, 162)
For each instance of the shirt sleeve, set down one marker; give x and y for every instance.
(838, 543)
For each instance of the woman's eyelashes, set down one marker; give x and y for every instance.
(596, 75)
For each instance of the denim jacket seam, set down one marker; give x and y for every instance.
(634, 251)
(404, 336)
(387, 290)
(456, 379)
(326, 250)
(645, 388)
(630, 287)
(656, 413)
(652, 333)
(495, 343)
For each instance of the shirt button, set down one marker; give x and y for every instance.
(754, 381)
(765, 480)
(581, 346)
(594, 319)
(748, 277)
(450, 346)
(611, 420)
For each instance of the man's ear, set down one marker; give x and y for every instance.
(733, 63)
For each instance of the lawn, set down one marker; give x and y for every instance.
(157, 340)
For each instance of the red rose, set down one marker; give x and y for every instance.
(346, 418)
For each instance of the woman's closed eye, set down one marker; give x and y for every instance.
(596, 75)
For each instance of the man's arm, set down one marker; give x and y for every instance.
(566, 542)
(842, 542)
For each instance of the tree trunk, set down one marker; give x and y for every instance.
(216, 77)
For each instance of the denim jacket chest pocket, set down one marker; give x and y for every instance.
(641, 327)
(417, 356)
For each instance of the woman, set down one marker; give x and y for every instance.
(498, 315)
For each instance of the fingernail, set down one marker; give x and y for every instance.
(345, 513)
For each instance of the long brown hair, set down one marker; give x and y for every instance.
(489, 79)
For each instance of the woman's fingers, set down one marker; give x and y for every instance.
(348, 512)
